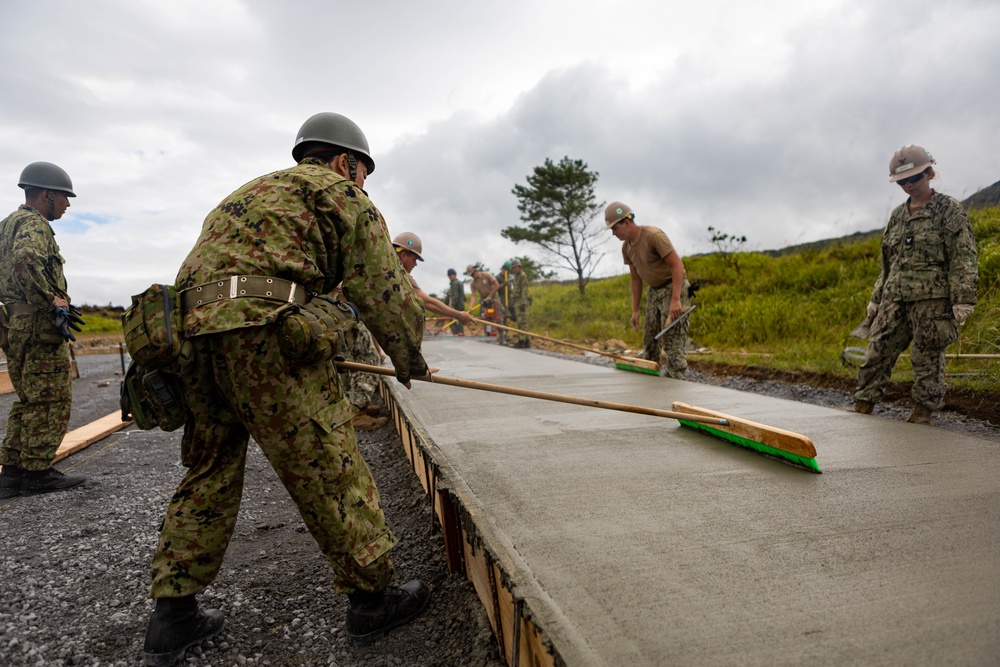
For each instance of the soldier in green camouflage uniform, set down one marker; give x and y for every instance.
(456, 299)
(32, 288)
(925, 290)
(314, 225)
(519, 302)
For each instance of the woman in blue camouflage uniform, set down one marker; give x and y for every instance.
(925, 290)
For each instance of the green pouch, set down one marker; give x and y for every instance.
(152, 327)
(152, 399)
(318, 330)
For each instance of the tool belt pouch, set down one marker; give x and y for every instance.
(153, 399)
(152, 327)
(317, 331)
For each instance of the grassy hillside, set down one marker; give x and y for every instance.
(792, 310)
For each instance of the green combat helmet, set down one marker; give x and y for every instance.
(336, 130)
(46, 176)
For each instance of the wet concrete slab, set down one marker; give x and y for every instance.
(635, 541)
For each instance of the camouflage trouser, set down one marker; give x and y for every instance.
(240, 386)
(41, 375)
(931, 327)
(673, 342)
(519, 311)
(360, 387)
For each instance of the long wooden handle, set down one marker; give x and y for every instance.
(560, 342)
(530, 393)
(450, 322)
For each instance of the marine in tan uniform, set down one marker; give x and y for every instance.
(34, 294)
(279, 239)
(653, 260)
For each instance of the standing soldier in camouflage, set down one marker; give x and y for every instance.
(652, 259)
(503, 296)
(35, 326)
(925, 291)
(284, 239)
(456, 299)
(519, 302)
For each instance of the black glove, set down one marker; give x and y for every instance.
(66, 319)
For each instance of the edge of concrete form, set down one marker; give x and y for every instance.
(473, 549)
(595, 537)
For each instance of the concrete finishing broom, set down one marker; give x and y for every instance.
(785, 446)
(621, 362)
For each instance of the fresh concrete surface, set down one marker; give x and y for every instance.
(638, 542)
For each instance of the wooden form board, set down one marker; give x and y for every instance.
(522, 642)
(87, 435)
(5, 386)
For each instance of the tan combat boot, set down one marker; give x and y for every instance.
(864, 407)
(920, 415)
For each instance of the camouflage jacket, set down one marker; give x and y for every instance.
(31, 268)
(456, 294)
(309, 225)
(928, 254)
(519, 291)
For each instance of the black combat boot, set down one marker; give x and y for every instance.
(10, 481)
(372, 615)
(47, 481)
(175, 626)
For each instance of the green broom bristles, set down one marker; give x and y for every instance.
(621, 365)
(759, 447)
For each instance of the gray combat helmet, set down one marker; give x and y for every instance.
(46, 176)
(334, 129)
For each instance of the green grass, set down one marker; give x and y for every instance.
(787, 311)
(100, 324)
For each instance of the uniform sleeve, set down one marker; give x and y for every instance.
(375, 281)
(876, 296)
(963, 260)
(37, 264)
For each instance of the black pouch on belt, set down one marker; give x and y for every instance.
(153, 399)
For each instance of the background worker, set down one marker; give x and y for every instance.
(241, 383)
(456, 299)
(484, 286)
(652, 260)
(34, 337)
(519, 302)
(408, 248)
(503, 296)
(926, 287)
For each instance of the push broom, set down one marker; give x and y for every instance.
(621, 362)
(776, 443)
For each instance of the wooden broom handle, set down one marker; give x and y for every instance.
(530, 393)
(554, 340)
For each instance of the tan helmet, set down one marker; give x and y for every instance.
(616, 212)
(46, 176)
(409, 241)
(909, 161)
(336, 130)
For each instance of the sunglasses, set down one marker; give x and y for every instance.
(912, 179)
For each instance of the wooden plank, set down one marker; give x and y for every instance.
(87, 435)
(5, 384)
(769, 435)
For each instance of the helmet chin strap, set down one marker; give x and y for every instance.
(352, 163)
(52, 205)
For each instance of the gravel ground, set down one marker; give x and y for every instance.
(74, 566)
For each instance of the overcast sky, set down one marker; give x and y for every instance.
(772, 119)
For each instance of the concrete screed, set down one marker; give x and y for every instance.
(636, 541)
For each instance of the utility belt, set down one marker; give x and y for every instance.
(235, 287)
(311, 328)
(18, 309)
